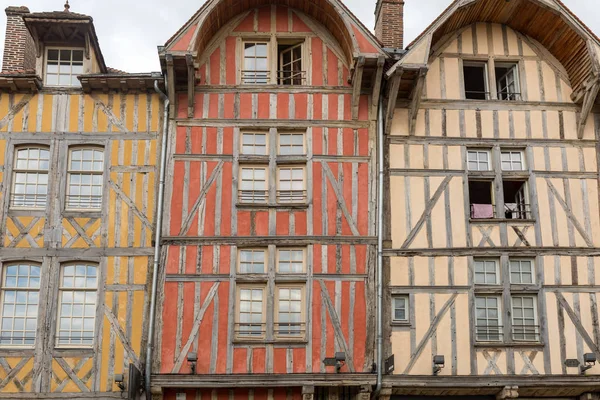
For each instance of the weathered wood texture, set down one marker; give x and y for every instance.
(117, 237)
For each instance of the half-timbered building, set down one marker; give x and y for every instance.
(78, 165)
(269, 239)
(493, 219)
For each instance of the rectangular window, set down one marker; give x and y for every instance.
(507, 81)
(521, 272)
(86, 166)
(524, 318)
(20, 298)
(289, 71)
(251, 312)
(30, 177)
(254, 144)
(290, 185)
(256, 63)
(481, 199)
(291, 144)
(486, 272)
(63, 66)
(252, 261)
(289, 321)
(290, 261)
(515, 200)
(479, 160)
(400, 309)
(253, 185)
(488, 325)
(476, 81)
(513, 161)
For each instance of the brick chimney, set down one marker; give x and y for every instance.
(19, 48)
(389, 23)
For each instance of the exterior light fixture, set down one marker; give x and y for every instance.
(119, 381)
(438, 363)
(192, 358)
(338, 361)
(589, 360)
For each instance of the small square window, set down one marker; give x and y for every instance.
(521, 272)
(400, 309)
(479, 160)
(291, 144)
(254, 144)
(290, 261)
(252, 261)
(486, 272)
(513, 161)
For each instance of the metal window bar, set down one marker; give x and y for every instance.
(489, 333)
(476, 212)
(250, 329)
(291, 196)
(28, 200)
(520, 211)
(290, 328)
(84, 202)
(256, 77)
(509, 95)
(526, 333)
(292, 78)
(253, 196)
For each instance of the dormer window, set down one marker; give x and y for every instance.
(63, 66)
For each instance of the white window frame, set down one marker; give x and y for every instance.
(71, 75)
(253, 262)
(478, 161)
(252, 144)
(405, 299)
(88, 308)
(252, 77)
(497, 334)
(520, 272)
(23, 290)
(39, 199)
(291, 263)
(246, 334)
(511, 162)
(293, 148)
(289, 195)
(514, 69)
(299, 333)
(253, 196)
(526, 329)
(486, 77)
(85, 202)
(485, 272)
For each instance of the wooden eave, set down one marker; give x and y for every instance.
(20, 83)
(121, 82)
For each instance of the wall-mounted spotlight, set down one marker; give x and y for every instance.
(119, 381)
(438, 363)
(338, 361)
(589, 360)
(192, 359)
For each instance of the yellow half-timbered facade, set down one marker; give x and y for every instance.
(78, 157)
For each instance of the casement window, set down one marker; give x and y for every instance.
(521, 272)
(507, 81)
(63, 66)
(84, 176)
(254, 144)
(524, 318)
(481, 199)
(475, 76)
(289, 320)
(290, 261)
(400, 309)
(291, 187)
(289, 69)
(513, 160)
(77, 305)
(488, 325)
(486, 272)
(20, 299)
(251, 315)
(256, 63)
(252, 261)
(291, 144)
(253, 185)
(479, 160)
(30, 177)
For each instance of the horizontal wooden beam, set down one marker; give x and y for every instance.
(261, 240)
(494, 251)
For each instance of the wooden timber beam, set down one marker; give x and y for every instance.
(589, 98)
(357, 84)
(415, 103)
(191, 84)
(392, 97)
(171, 84)
(377, 87)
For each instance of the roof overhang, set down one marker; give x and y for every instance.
(20, 82)
(142, 82)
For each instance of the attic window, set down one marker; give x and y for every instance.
(476, 83)
(507, 82)
(290, 63)
(63, 66)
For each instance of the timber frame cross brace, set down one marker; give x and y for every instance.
(589, 98)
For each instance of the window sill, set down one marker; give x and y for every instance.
(292, 159)
(286, 341)
(509, 344)
(72, 351)
(500, 220)
(287, 206)
(401, 324)
(254, 159)
(76, 213)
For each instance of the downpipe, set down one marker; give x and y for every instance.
(380, 141)
(159, 219)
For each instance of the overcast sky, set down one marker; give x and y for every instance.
(130, 30)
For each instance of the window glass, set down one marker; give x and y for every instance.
(63, 66)
(252, 261)
(486, 272)
(512, 161)
(524, 318)
(251, 312)
(290, 186)
(77, 305)
(30, 177)
(291, 144)
(521, 272)
(20, 299)
(85, 176)
(400, 308)
(254, 144)
(479, 160)
(291, 261)
(289, 317)
(256, 69)
(488, 322)
(290, 64)
(253, 185)
(507, 82)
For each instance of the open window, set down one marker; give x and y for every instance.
(289, 68)
(515, 199)
(476, 81)
(507, 82)
(481, 199)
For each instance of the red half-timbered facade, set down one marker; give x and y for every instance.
(269, 239)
